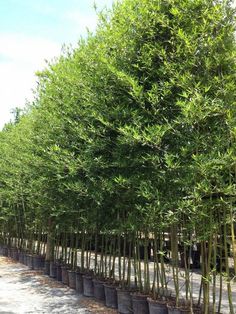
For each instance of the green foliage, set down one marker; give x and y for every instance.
(133, 129)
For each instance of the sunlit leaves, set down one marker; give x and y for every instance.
(136, 126)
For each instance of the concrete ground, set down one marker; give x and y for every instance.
(23, 291)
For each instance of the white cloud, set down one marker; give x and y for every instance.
(15, 80)
(21, 56)
(86, 19)
(18, 47)
(81, 21)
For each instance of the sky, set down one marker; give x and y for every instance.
(32, 31)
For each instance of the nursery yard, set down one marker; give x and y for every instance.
(25, 291)
(122, 167)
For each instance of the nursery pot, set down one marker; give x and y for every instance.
(42, 262)
(71, 277)
(110, 296)
(124, 301)
(15, 254)
(99, 292)
(25, 259)
(47, 268)
(88, 286)
(157, 306)
(9, 252)
(21, 257)
(64, 275)
(58, 270)
(139, 304)
(79, 282)
(172, 309)
(38, 262)
(5, 251)
(30, 262)
(53, 270)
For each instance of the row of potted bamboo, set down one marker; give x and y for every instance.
(94, 275)
(87, 283)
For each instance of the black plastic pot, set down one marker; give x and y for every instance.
(139, 304)
(110, 296)
(59, 272)
(25, 259)
(64, 275)
(8, 252)
(29, 260)
(157, 306)
(178, 310)
(21, 257)
(72, 279)
(47, 268)
(5, 251)
(99, 292)
(15, 254)
(88, 286)
(38, 261)
(79, 282)
(124, 301)
(53, 270)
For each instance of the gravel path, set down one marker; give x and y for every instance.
(23, 291)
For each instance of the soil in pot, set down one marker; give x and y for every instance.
(157, 306)
(88, 286)
(99, 292)
(139, 304)
(64, 275)
(110, 296)
(71, 277)
(172, 309)
(79, 282)
(53, 270)
(124, 301)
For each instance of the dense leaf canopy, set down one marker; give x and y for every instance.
(133, 129)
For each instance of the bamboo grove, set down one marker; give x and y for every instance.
(125, 160)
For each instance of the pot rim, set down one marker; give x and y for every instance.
(139, 295)
(87, 276)
(173, 306)
(159, 301)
